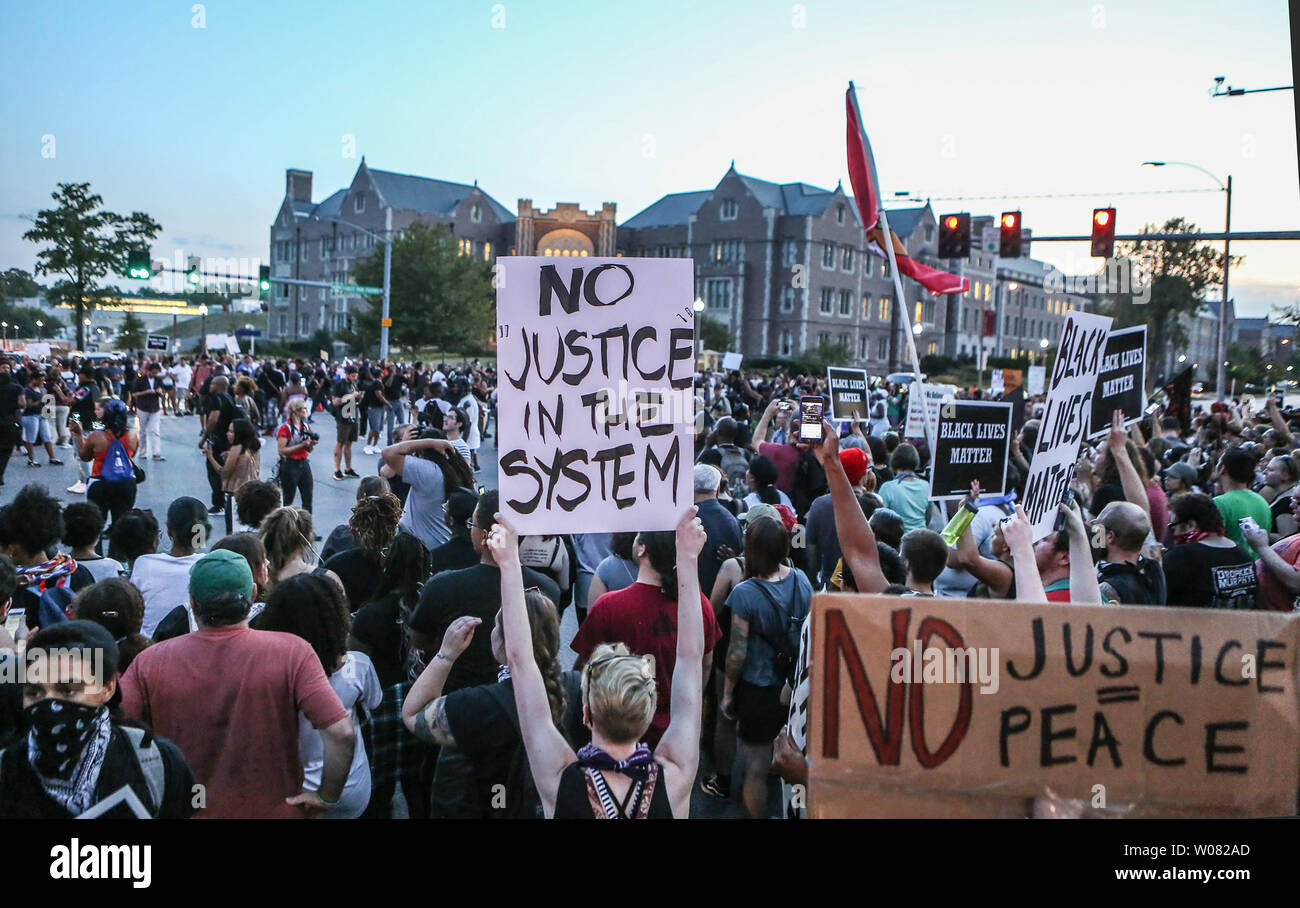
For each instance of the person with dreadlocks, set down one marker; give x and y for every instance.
(374, 525)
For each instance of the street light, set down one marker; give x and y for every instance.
(203, 326)
(39, 325)
(698, 304)
(917, 329)
(1182, 357)
(1227, 259)
(388, 270)
(175, 312)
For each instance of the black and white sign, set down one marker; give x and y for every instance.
(1070, 390)
(848, 392)
(973, 442)
(1121, 384)
(157, 342)
(597, 402)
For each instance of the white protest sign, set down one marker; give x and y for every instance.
(933, 395)
(232, 344)
(995, 382)
(1036, 378)
(1065, 418)
(731, 361)
(597, 406)
(37, 350)
(215, 342)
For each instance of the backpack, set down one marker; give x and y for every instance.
(785, 649)
(734, 467)
(117, 464)
(55, 605)
(455, 790)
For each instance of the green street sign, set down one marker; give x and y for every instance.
(358, 289)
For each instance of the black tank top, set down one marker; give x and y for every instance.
(583, 795)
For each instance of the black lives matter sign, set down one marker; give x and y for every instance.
(973, 443)
(848, 392)
(1071, 387)
(596, 410)
(1121, 383)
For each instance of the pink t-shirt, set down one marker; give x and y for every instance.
(229, 698)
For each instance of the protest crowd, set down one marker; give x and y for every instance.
(255, 664)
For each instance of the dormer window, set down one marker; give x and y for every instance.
(475, 213)
(730, 209)
(359, 203)
(839, 214)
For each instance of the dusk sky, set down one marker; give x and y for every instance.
(591, 102)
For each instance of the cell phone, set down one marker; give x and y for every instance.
(810, 418)
(1248, 525)
(785, 405)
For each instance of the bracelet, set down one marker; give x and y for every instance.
(439, 655)
(329, 803)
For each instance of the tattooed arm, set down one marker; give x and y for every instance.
(737, 652)
(424, 712)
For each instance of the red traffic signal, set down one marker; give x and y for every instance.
(1009, 237)
(954, 236)
(1103, 232)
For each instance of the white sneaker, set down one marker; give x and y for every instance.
(77, 488)
(369, 450)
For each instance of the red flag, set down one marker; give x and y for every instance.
(866, 193)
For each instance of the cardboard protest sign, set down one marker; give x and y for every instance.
(597, 405)
(1121, 383)
(1011, 379)
(1065, 418)
(934, 396)
(848, 392)
(955, 707)
(731, 361)
(974, 442)
(1035, 379)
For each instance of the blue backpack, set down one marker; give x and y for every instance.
(117, 463)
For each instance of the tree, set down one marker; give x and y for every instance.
(132, 335)
(440, 298)
(1246, 364)
(85, 243)
(17, 283)
(827, 354)
(1176, 274)
(714, 335)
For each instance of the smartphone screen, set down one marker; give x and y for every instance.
(810, 418)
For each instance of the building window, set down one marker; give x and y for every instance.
(304, 324)
(787, 299)
(839, 214)
(730, 209)
(844, 341)
(846, 259)
(884, 268)
(884, 308)
(487, 251)
(828, 300)
(786, 343)
(824, 339)
(866, 265)
(359, 203)
(717, 294)
(475, 213)
(882, 349)
(934, 347)
(728, 250)
(864, 347)
(988, 292)
(866, 306)
(929, 234)
(467, 247)
(917, 319)
(790, 252)
(284, 325)
(828, 255)
(846, 303)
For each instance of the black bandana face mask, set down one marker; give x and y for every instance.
(60, 731)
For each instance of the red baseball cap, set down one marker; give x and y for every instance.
(855, 462)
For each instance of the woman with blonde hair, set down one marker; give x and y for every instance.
(615, 776)
(294, 442)
(286, 533)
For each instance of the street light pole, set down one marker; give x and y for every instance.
(1221, 376)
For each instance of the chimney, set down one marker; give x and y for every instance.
(297, 185)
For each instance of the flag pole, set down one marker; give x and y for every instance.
(898, 289)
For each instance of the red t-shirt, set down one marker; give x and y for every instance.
(229, 698)
(1270, 593)
(786, 458)
(289, 435)
(644, 619)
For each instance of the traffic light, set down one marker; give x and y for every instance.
(263, 280)
(137, 264)
(192, 271)
(1103, 232)
(954, 236)
(1009, 240)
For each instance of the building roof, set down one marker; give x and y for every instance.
(1252, 324)
(903, 220)
(672, 210)
(412, 193)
